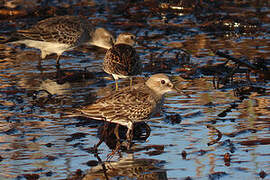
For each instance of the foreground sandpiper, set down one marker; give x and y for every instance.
(131, 104)
(122, 61)
(62, 33)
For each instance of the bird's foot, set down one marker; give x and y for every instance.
(117, 147)
(129, 136)
(57, 67)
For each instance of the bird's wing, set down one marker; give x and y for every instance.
(133, 105)
(61, 29)
(123, 60)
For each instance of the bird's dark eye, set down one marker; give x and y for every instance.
(132, 37)
(162, 82)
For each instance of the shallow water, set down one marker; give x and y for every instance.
(178, 38)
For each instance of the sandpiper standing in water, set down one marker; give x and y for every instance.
(131, 104)
(121, 60)
(62, 33)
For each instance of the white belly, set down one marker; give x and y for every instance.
(116, 76)
(46, 47)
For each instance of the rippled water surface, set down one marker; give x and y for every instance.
(218, 128)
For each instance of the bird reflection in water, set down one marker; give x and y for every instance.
(127, 167)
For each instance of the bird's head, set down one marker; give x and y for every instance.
(160, 84)
(102, 38)
(126, 38)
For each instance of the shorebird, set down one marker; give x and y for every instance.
(121, 60)
(62, 33)
(131, 104)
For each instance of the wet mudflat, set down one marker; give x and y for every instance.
(216, 52)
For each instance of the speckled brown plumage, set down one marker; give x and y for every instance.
(122, 61)
(131, 104)
(70, 30)
(128, 105)
(62, 33)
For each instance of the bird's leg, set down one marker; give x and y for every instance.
(39, 64)
(117, 147)
(115, 77)
(104, 132)
(129, 138)
(116, 131)
(130, 127)
(118, 144)
(57, 62)
(116, 85)
(104, 169)
(59, 75)
(129, 134)
(98, 144)
(102, 136)
(130, 82)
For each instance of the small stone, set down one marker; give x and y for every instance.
(262, 174)
(184, 154)
(49, 144)
(49, 173)
(92, 163)
(227, 159)
(51, 158)
(78, 172)
(31, 176)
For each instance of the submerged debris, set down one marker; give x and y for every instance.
(174, 118)
(262, 174)
(218, 132)
(227, 159)
(31, 176)
(184, 154)
(92, 163)
(77, 175)
(217, 175)
(265, 141)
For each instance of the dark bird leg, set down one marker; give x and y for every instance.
(102, 137)
(118, 144)
(57, 62)
(104, 169)
(39, 63)
(97, 145)
(39, 66)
